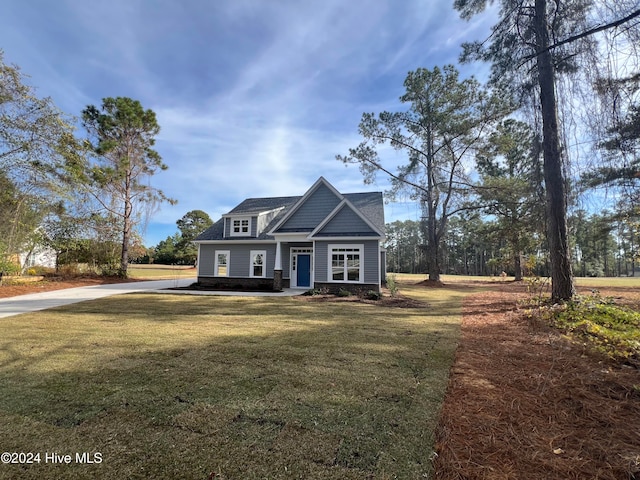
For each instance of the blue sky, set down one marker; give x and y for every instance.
(254, 97)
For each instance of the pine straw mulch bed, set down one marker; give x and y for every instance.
(8, 289)
(525, 402)
(397, 301)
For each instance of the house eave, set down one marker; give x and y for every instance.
(253, 213)
(350, 238)
(231, 240)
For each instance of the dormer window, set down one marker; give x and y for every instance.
(240, 227)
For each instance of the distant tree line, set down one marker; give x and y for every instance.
(602, 245)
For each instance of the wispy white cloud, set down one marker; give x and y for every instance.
(254, 98)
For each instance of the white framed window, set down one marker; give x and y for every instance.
(221, 268)
(240, 227)
(346, 263)
(258, 263)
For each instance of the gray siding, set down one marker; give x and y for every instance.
(320, 261)
(253, 226)
(316, 208)
(372, 262)
(206, 260)
(346, 222)
(371, 259)
(239, 261)
(286, 260)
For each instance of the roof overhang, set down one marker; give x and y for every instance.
(232, 242)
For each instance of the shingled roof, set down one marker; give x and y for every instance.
(370, 204)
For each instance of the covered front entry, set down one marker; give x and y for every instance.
(301, 267)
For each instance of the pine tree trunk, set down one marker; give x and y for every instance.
(126, 229)
(562, 286)
(517, 266)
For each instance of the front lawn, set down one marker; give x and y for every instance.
(175, 386)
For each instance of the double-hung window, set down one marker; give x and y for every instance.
(258, 263)
(222, 263)
(346, 263)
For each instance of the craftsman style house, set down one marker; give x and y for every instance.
(323, 239)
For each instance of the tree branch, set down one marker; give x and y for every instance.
(584, 34)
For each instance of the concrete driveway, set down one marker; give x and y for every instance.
(56, 298)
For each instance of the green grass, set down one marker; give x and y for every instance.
(596, 282)
(174, 386)
(608, 328)
(602, 282)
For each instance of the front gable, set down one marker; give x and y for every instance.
(345, 221)
(311, 210)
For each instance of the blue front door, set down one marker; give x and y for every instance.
(303, 271)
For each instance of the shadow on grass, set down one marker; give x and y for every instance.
(240, 387)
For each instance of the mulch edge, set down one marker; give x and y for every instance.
(526, 402)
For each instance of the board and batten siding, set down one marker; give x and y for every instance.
(371, 259)
(239, 258)
(313, 211)
(346, 222)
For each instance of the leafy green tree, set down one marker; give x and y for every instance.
(191, 225)
(122, 134)
(166, 252)
(35, 138)
(445, 119)
(63, 233)
(19, 219)
(510, 186)
(33, 134)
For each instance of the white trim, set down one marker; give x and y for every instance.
(216, 265)
(359, 248)
(198, 260)
(277, 264)
(252, 254)
(353, 238)
(291, 237)
(227, 241)
(240, 218)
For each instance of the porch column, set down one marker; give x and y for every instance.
(278, 265)
(277, 269)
